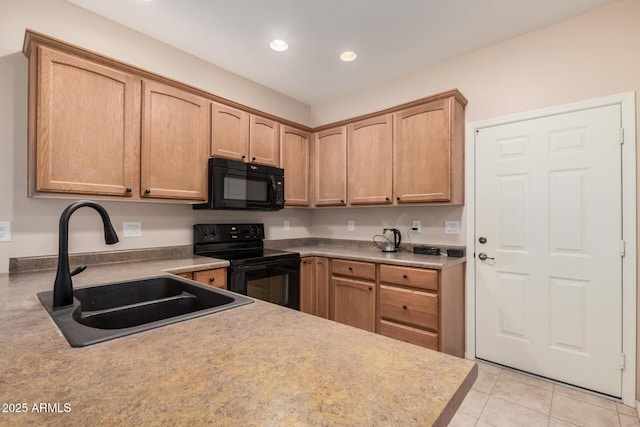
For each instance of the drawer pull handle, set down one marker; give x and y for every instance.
(370, 288)
(212, 279)
(404, 276)
(404, 307)
(350, 268)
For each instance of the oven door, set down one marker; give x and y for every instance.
(274, 281)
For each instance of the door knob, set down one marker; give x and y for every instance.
(484, 257)
(482, 240)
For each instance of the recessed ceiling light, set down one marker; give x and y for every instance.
(279, 45)
(348, 56)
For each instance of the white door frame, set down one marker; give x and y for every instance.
(628, 108)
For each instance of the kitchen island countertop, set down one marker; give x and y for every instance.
(259, 364)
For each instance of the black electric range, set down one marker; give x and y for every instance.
(266, 274)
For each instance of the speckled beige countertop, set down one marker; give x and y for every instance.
(256, 365)
(375, 255)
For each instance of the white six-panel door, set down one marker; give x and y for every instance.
(548, 204)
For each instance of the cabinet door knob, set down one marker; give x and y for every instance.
(147, 191)
(342, 201)
(404, 307)
(129, 190)
(304, 261)
(350, 268)
(398, 198)
(254, 159)
(404, 276)
(370, 288)
(386, 198)
(244, 157)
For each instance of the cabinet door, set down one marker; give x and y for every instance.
(369, 152)
(308, 286)
(330, 167)
(294, 159)
(422, 153)
(354, 303)
(175, 140)
(322, 286)
(229, 132)
(264, 141)
(314, 286)
(216, 277)
(85, 137)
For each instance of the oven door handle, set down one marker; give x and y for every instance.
(290, 263)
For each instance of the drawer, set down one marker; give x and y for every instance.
(187, 275)
(362, 270)
(216, 277)
(415, 277)
(414, 307)
(408, 334)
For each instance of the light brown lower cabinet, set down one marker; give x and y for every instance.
(314, 286)
(423, 307)
(353, 285)
(215, 277)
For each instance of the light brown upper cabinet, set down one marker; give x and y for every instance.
(238, 135)
(174, 144)
(294, 159)
(229, 132)
(81, 126)
(330, 167)
(264, 141)
(369, 151)
(428, 153)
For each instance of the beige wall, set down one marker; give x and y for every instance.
(593, 55)
(34, 222)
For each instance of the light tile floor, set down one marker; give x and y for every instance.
(501, 397)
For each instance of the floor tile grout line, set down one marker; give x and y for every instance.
(554, 385)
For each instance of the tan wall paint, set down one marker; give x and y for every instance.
(34, 222)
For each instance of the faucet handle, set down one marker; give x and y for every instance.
(78, 270)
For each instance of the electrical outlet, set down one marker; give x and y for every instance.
(287, 225)
(5, 231)
(417, 226)
(351, 225)
(452, 227)
(132, 229)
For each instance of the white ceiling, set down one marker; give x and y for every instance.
(391, 37)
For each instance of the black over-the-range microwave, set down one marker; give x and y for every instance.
(245, 186)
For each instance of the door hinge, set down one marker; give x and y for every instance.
(621, 135)
(622, 362)
(622, 248)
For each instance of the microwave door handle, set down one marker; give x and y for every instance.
(272, 180)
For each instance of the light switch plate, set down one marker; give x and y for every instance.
(132, 229)
(417, 225)
(452, 227)
(5, 231)
(287, 225)
(351, 225)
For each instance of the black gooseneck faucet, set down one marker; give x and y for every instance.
(62, 287)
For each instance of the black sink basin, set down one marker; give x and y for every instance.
(108, 311)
